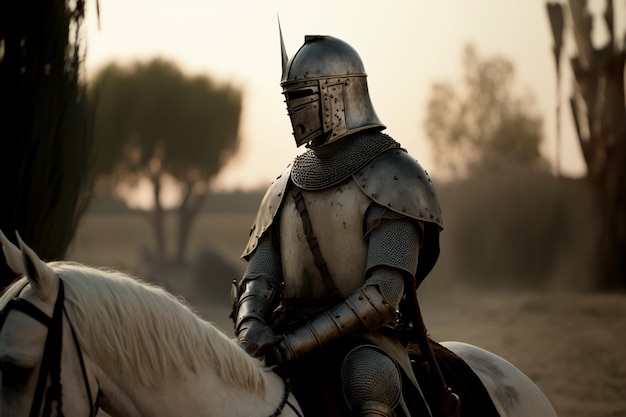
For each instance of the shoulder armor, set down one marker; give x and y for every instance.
(268, 208)
(397, 181)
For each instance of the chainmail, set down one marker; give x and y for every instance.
(328, 165)
(368, 374)
(394, 240)
(265, 262)
(390, 283)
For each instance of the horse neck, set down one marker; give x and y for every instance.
(214, 385)
(202, 394)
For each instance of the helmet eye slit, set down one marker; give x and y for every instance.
(298, 94)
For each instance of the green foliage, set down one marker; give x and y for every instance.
(45, 124)
(483, 126)
(152, 119)
(154, 122)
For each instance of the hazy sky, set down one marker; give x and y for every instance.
(405, 46)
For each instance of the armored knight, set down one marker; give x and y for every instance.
(347, 230)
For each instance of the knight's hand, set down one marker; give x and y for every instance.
(274, 356)
(281, 354)
(255, 337)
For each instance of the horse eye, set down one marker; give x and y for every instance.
(14, 376)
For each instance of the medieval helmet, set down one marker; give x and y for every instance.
(326, 92)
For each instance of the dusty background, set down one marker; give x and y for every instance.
(531, 303)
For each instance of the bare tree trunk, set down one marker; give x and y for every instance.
(158, 219)
(187, 214)
(599, 111)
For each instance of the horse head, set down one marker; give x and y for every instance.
(34, 332)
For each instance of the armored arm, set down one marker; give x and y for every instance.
(256, 297)
(393, 248)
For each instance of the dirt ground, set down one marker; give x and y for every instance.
(571, 345)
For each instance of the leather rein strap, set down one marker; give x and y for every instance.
(51, 361)
(320, 263)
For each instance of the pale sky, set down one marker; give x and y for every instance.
(406, 45)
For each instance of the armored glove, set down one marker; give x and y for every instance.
(365, 310)
(255, 337)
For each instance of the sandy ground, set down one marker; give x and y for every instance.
(571, 345)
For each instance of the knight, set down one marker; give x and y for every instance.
(342, 239)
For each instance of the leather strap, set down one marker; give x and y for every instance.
(320, 262)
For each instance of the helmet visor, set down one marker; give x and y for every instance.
(303, 105)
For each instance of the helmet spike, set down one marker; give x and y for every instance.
(283, 52)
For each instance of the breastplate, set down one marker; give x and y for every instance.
(336, 215)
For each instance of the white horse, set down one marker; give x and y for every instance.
(132, 349)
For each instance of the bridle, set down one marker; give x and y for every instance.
(51, 362)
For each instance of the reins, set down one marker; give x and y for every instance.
(285, 401)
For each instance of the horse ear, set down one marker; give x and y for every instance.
(40, 276)
(12, 255)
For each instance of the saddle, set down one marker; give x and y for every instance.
(318, 392)
(460, 378)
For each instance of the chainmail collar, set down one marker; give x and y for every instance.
(328, 165)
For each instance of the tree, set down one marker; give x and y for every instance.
(599, 112)
(484, 126)
(153, 122)
(45, 125)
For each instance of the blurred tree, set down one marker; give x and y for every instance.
(154, 122)
(557, 24)
(484, 127)
(599, 111)
(44, 125)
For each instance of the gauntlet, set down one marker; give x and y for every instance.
(253, 306)
(365, 310)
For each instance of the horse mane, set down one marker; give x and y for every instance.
(146, 332)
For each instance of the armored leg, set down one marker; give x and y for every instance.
(371, 382)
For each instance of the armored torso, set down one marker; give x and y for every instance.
(338, 183)
(336, 215)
